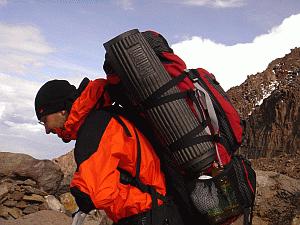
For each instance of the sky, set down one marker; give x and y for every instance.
(41, 40)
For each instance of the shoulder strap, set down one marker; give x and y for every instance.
(90, 134)
(126, 177)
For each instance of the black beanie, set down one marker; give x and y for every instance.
(54, 96)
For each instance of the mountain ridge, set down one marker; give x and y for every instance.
(269, 103)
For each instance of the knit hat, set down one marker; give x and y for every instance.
(54, 96)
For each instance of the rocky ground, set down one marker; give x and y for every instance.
(288, 165)
(34, 192)
(27, 198)
(278, 191)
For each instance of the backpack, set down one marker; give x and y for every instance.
(218, 130)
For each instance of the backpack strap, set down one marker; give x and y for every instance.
(248, 216)
(156, 99)
(204, 106)
(127, 178)
(208, 105)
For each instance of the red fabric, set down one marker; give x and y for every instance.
(231, 113)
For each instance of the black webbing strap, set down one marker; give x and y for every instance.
(123, 125)
(127, 178)
(155, 96)
(156, 99)
(135, 181)
(181, 144)
(248, 216)
(249, 213)
(187, 137)
(165, 99)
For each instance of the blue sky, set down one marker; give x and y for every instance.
(42, 40)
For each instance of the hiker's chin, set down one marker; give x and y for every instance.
(66, 140)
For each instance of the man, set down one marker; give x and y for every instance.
(117, 168)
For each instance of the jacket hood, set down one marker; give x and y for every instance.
(92, 93)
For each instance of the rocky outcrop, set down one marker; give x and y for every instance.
(274, 128)
(269, 102)
(45, 173)
(25, 182)
(23, 202)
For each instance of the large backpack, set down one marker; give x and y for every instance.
(231, 191)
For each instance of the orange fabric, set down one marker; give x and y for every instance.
(81, 107)
(98, 175)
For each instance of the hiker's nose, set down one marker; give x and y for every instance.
(47, 130)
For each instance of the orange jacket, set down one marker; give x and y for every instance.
(97, 176)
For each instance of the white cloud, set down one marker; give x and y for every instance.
(125, 4)
(21, 48)
(19, 130)
(23, 38)
(3, 3)
(24, 51)
(16, 100)
(215, 3)
(232, 64)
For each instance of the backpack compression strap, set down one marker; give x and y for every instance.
(208, 112)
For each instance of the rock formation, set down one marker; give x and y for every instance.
(45, 173)
(18, 198)
(31, 189)
(269, 102)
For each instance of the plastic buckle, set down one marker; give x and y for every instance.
(192, 77)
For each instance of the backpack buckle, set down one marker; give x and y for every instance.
(191, 75)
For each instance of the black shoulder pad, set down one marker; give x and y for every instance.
(90, 134)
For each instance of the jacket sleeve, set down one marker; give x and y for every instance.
(83, 200)
(96, 183)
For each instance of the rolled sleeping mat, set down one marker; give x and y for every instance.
(142, 74)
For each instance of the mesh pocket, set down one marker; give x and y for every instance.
(226, 195)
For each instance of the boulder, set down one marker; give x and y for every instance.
(45, 173)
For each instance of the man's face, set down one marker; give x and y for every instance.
(54, 121)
